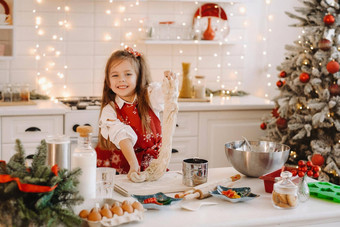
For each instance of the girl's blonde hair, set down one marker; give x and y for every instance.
(142, 71)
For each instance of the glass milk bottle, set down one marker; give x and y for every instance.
(85, 158)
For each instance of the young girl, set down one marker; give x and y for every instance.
(129, 124)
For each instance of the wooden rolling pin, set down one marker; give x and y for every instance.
(202, 191)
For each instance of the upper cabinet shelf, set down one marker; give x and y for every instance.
(186, 42)
(206, 1)
(7, 29)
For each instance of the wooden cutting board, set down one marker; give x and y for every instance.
(193, 100)
(17, 103)
(170, 182)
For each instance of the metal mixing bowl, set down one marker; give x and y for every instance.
(264, 157)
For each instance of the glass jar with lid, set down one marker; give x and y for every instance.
(7, 93)
(285, 192)
(25, 93)
(16, 90)
(199, 87)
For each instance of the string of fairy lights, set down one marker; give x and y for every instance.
(51, 63)
(267, 64)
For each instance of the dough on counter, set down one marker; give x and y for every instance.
(158, 166)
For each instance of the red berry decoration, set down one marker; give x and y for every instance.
(294, 172)
(318, 159)
(334, 89)
(325, 44)
(304, 77)
(306, 168)
(332, 67)
(309, 164)
(263, 126)
(281, 123)
(310, 173)
(283, 74)
(279, 83)
(316, 169)
(301, 163)
(328, 19)
(301, 174)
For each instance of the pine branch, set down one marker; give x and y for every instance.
(40, 156)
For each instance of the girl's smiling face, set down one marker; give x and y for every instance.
(123, 80)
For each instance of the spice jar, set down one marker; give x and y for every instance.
(285, 192)
(16, 93)
(199, 87)
(25, 93)
(7, 93)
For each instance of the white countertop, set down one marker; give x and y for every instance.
(256, 212)
(228, 103)
(41, 107)
(47, 107)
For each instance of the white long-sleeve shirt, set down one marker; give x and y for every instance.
(111, 127)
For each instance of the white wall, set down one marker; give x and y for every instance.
(84, 49)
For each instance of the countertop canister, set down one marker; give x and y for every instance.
(58, 151)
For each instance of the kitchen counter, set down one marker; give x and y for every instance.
(47, 107)
(248, 102)
(41, 107)
(256, 212)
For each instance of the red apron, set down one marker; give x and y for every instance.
(146, 147)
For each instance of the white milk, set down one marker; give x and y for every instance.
(85, 157)
(87, 162)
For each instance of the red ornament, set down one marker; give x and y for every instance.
(325, 44)
(279, 83)
(263, 126)
(318, 159)
(275, 112)
(283, 74)
(333, 67)
(334, 89)
(328, 19)
(304, 77)
(281, 123)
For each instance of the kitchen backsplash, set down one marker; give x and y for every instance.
(98, 27)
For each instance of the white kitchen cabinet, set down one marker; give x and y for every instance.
(7, 31)
(219, 127)
(30, 130)
(184, 143)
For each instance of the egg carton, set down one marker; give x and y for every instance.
(137, 215)
(325, 190)
(117, 220)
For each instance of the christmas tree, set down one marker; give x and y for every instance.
(307, 109)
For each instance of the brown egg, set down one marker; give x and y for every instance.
(105, 206)
(94, 215)
(127, 206)
(84, 213)
(105, 211)
(137, 205)
(116, 209)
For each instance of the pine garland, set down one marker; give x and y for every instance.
(19, 208)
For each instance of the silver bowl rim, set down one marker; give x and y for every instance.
(284, 145)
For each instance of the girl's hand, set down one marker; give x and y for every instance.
(169, 75)
(132, 170)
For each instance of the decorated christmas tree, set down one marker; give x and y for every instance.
(307, 109)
